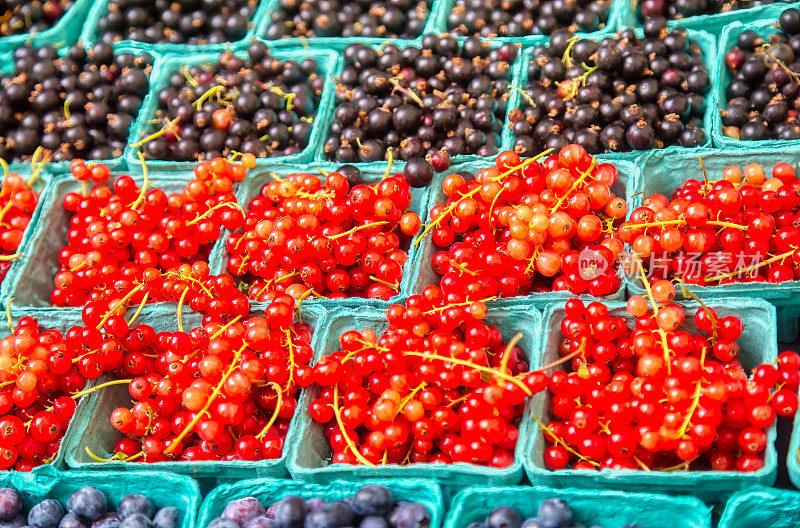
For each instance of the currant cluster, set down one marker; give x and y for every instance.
(86, 507)
(372, 505)
(438, 385)
(123, 235)
(31, 16)
(259, 105)
(403, 19)
(551, 513)
(661, 395)
(78, 105)
(519, 18)
(740, 228)
(223, 391)
(18, 200)
(334, 238)
(763, 92)
(619, 94)
(177, 22)
(676, 9)
(435, 100)
(524, 226)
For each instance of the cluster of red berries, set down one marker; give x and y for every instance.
(223, 391)
(18, 200)
(304, 236)
(41, 372)
(742, 228)
(116, 234)
(438, 385)
(525, 226)
(659, 395)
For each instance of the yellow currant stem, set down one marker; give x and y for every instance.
(117, 457)
(390, 160)
(86, 392)
(6, 208)
(8, 315)
(350, 443)
(409, 397)
(323, 172)
(488, 370)
(463, 268)
(491, 207)
(389, 284)
(189, 278)
(575, 185)
(207, 95)
(180, 308)
(682, 465)
(211, 398)
(227, 325)
(358, 228)
(767, 262)
(566, 58)
(139, 310)
(189, 79)
(682, 221)
(507, 351)
(640, 463)
(218, 206)
(558, 440)
(524, 94)
(662, 335)
(274, 417)
(292, 365)
(122, 302)
(9, 258)
(448, 306)
(155, 135)
(688, 293)
(4, 165)
(706, 185)
(274, 281)
(564, 359)
(143, 190)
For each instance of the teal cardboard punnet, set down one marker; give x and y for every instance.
(762, 507)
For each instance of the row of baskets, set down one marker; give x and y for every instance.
(609, 509)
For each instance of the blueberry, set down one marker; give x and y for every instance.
(533, 522)
(16, 522)
(88, 504)
(241, 511)
(554, 513)
(10, 504)
(290, 512)
(373, 522)
(222, 522)
(46, 514)
(262, 522)
(373, 499)
(136, 520)
(70, 520)
(107, 521)
(409, 515)
(503, 517)
(334, 515)
(135, 503)
(166, 518)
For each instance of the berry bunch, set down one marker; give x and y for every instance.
(31, 16)
(18, 200)
(740, 228)
(78, 105)
(438, 385)
(619, 94)
(371, 506)
(519, 18)
(121, 236)
(403, 19)
(223, 391)
(661, 395)
(522, 226)
(763, 92)
(334, 238)
(259, 105)
(86, 507)
(437, 100)
(551, 513)
(176, 22)
(677, 9)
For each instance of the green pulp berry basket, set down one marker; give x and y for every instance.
(766, 507)
(268, 491)
(759, 345)
(727, 41)
(708, 47)
(90, 33)
(793, 456)
(327, 60)
(425, 275)
(606, 508)
(162, 489)
(64, 32)
(260, 176)
(662, 174)
(310, 455)
(94, 431)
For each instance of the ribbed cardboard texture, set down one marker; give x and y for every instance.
(763, 507)
(425, 274)
(758, 345)
(94, 430)
(662, 173)
(268, 491)
(64, 32)
(609, 509)
(328, 63)
(310, 452)
(793, 455)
